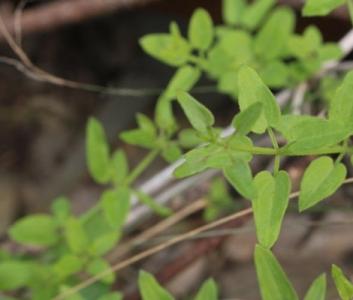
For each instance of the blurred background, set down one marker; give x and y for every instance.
(42, 131)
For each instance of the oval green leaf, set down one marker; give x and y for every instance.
(198, 115)
(244, 121)
(97, 151)
(201, 29)
(36, 229)
(321, 179)
(270, 205)
(116, 206)
(240, 177)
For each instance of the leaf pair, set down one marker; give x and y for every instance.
(310, 49)
(183, 80)
(252, 90)
(238, 12)
(220, 155)
(175, 50)
(145, 136)
(172, 48)
(269, 195)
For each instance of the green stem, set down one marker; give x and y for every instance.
(255, 150)
(340, 157)
(328, 150)
(141, 167)
(276, 147)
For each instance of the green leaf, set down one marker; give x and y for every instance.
(195, 162)
(236, 142)
(271, 41)
(120, 166)
(200, 30)
(233, 11)
(214, 156)
(244, 121)
(75, 235)
(116, 206)
(171, 49)
(171, 152)
(68, 265)
(36, 229)
(255, 13)
(227, 83)
(343, 285)
(184, 79)
(61, 209)
(208, 291)
(330, 51)
(97, 151)
(99, 265)
(321, 179)
(14, 274)
(146, 124)
(164, 115)
(139, 137)
(320, 7)
(275, 74)
(150, 288)
(341, 106)
(306, 133)
(274, 284)
(198, 115)
(317, 290)
(240, 177)
(306, 45)
(189, 138)
(234, 49)
(155, 206)
(252, 90)
(270, 205)
(105, 242)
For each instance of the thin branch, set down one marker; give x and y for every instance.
(158, 228)
(152, 251)
(165, 245)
